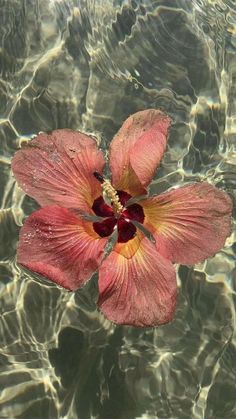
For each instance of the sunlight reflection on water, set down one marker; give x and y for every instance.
(87, 65)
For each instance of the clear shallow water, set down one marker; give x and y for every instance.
(88, 65)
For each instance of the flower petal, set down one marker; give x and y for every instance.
(126, 230)
(139, 290)
(134, 212)
(57, 168)
(123, 197)
(101, 209)
(137, 149)
(57, 244)
(106, 227)
(189, 223)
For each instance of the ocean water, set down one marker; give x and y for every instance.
(87, 65)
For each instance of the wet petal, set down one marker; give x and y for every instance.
(139, 290)
(189, 223)
(126, 230)
(101, 208)
(137, 149)
(58, 245)
(134, 212)
(106, 227)
(57, 168)
(123, 197)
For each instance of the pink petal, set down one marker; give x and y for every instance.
(189, 223)
(137, 149)
(57, 168)
(138, 290)
(58, 245)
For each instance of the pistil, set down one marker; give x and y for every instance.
(111, 193)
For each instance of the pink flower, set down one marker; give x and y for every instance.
(62, 171)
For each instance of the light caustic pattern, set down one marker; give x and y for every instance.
(87, 65)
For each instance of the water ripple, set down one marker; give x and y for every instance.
(87, 65)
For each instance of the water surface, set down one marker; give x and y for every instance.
(87, 65)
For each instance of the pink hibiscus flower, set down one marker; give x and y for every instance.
(66, 239)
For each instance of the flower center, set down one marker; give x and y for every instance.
(117, 215)
(110, 193)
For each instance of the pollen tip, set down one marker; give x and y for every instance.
(99, 177)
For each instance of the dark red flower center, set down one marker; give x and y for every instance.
(123, 221)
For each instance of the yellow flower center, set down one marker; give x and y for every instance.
(112, 195)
